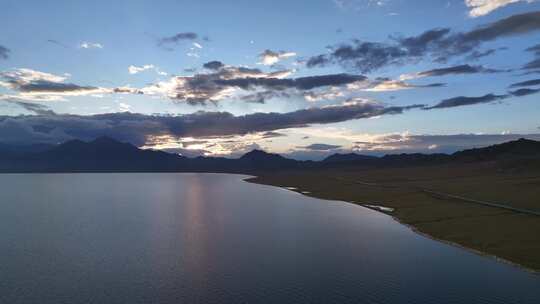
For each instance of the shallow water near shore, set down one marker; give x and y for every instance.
(213, 238)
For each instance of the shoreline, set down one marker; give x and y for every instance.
(253, 180)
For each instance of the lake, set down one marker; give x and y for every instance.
(213, 238)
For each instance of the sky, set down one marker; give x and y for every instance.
(301, 78)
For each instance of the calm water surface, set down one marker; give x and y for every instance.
(212, 238)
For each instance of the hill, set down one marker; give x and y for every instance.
(105, 154)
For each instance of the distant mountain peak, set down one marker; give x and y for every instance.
(519, 147)
(346, 157)
(257, 154)
(109, 155)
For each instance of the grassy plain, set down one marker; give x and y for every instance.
(509, 235)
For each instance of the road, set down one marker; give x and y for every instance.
(449, 196)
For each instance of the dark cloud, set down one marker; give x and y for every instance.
(418, 45)
(213, 65)
(524, 92)
(535, 63)
(454, 70)
(361, 56)
(475, 55)
(383, 84)
(527, 83)
(269, 57)
(221, 83)
(138, 128)
(320, 147)
(534, 49)
(318, 60)
(263, 96)
(224, 81)
(35, 108)
(301, 83)
(438, 44)
(43, 86)
(203, 88)
(464, 101)
(174, 39)
(58, 43)
(272, 134)
(30, 81)
(4, 52)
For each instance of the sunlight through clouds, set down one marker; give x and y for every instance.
(483, 7)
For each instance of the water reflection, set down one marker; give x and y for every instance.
(212, 238)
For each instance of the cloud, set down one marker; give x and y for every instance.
(233, 146)
(404, 142)
(59, 43)
(464, 101)
(135, 69)
(213, 65)
(4, 52)
(132, 69)
(263, 96)
(177, 38)
(362, 56)
(528, 83)
(331, 94)
(408, 143)
(524, 92)
(453, 70)
(272, 134)
(476, 54)
(228, 81)
(320, 147)
(438, 44)
(483, 7)
(534, 49)
(269, 57)
(301, 83)
(34, 85)
(90, 45)
(27, 81)
(127, 90)
(203, 88)
(535, 63)
(34, 108)
(359, 4)
(139, 128)
(388, 85)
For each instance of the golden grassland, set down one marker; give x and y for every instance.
(506, 234)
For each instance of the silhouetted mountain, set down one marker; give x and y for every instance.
(105, 154)
(348, 157)
(258, 159)
(521, 148)
(101, 154)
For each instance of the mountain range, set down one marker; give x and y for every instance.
(105, 154)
